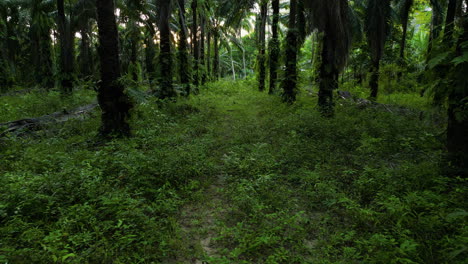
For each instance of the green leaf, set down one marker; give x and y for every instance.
(461, 59)
(70, 255)
(437, 60)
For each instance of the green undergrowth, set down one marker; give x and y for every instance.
(363, 187)
(41, 102)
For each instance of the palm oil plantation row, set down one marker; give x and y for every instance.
(248, 131)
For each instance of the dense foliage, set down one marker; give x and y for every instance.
(141, 131)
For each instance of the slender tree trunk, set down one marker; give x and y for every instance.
(165, 56)
(436, 25)
(184, 70)
(274, 47)
(244, 63)
(86, 64)
(405, 19)
(150, 54)
(208, 55)
(195, 43)
(114, 102)
(261, 46)
(232, 65)
(42, 56)
(290, 79)
(66, 49)
(450, 22)
(134, 38)
(202, 51)
(301, 24)
(378, 13)
(216, 55)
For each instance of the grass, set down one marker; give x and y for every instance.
(38, 102)
(233, 176)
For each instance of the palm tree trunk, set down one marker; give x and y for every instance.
(274, 47)
(290, 79)
(202, 50)
(457, 128)
(232, 65)
(41, 48)
(183, 50)
(195, 43)
(150, 53)
(66, 49)
(450, 22)
(114, 102)
(378, 13)
(165, 56)
(261, 43)
(328, 75)
(134, 35)
(86, 64)
(216, 54)
(405, 19)
(436, 25)
(208, 55)
(374, 79)
(244, 63)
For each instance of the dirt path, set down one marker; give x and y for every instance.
(200, 221)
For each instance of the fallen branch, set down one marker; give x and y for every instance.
(34, 124)
(364, 103)
(18, 92)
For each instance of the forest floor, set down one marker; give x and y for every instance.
(230, 176)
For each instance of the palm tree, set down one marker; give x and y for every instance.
(377, 29)
(436, 24)
(165, 56)
(457, 128)
(114, 102)
(41, 42)
(331, 18)
(66, 48)
(450, 22)
(195, 43)
(183, 50)
(261, 57)
(290, 79)
(274, 46)
(131, 14)
(405, 9)
(85, 11)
